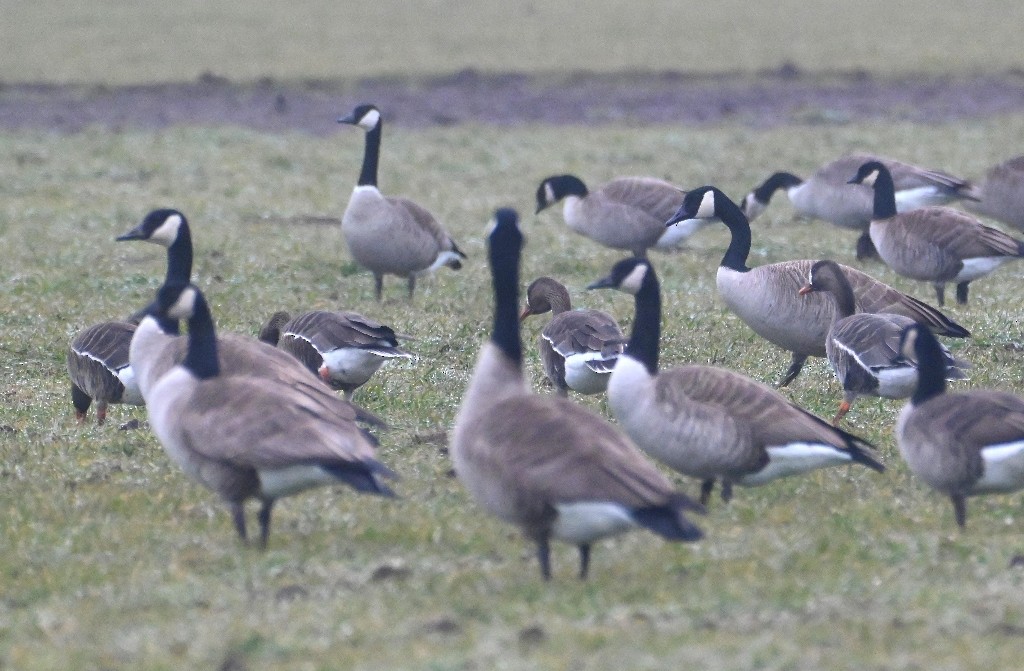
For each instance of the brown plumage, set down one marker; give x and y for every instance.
(98, 366)
(1001, 193)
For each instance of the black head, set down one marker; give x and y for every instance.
(700, 203)
(627, 275)
(555, 188)
(868, 173)
(160, 226)
(365, 116)
(176, 301)
(504, 235)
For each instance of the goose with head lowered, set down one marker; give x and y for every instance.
(863, 349)
(547, 465)
(99, 369)
(935, 244)
(766, 297)
(827, 195)
(251, 436)
(960, 444)
(578, 348)
(626, 213)
(1000, 193)
(388, 235)
(711, 423)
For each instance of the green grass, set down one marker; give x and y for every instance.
(145, 41)
(113, 559)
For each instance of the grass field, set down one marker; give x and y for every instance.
(113, 559)
(145, 41)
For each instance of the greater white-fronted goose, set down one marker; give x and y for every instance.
(711, 423)
(578, 348)
(387, 235)
(545, 464)
(99, 369)
(934, 244)
(960, 444)
(864, 348)
(1001, 193)
(827, 194)
(626, 213)
(767, 299)
(252, 436)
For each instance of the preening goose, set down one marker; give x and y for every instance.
(252, 436)
(935, 244)
(864, 348)
(578, 348)
(1001, 193)
(99, 369)
(549, 466)
(827, 194)
(960, 444)
(626, 213)
(344, 348)
(711, 423)
(766, 297)
(387, 235)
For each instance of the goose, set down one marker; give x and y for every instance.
(626, 213)
(863, 349)
(711, 423)
(935, 244)
(251, 436)
(547, 465)
(827, 195)
(344, 348)
(960, 444)
(1001, 193)
(387, 235)
(578, 348)
(766, 297)
(98, 366)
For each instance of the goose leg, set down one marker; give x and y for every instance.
(378, 285)
(706, 488)
(238, 517)
(101, 412)
(844, 408)
(81, 401)
(726, 490)
(412, 285)
(264, 519)
(584, 560)
(866, 248)
(961, 293)
(959, 509)
(544, 557)
(940, 294)
(795, 366)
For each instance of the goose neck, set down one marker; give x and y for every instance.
(201, 358)
(646, 333)
(885, 195)
(931, 376)
(371, 155)
(179, 257)
(739, 226)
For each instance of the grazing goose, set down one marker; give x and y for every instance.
(827, 195)
(546, 464)
(711, 423)
(99, 369)
(766, 297)
(578, 348)
(626, 213)
(960, 444)
(391, 236)
(344, 348)
(935, 244)
(252, 436)
(864, 348)
(1001, 193)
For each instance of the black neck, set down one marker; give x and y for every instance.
(368, 175)
(643, 341)
(179, 257)
(202, 342)
(739, 247)
(168, 325)
(505, 275)
(931, 367)
(885, 195)
(780, 180)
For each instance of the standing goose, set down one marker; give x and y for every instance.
(960, 444)
(554, 469)
(827, 195)
(935, 244)
(99, 369)
(1001, 193)
(252, 436)
(711, 423)
(766, 297)
(626, 213)
(578, 348)
(387, 235)
(344, 348)
(864, 348)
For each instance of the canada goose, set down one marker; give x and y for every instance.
(387, 235)
(546, 464)
(1001, 193)
(625, 213)
(711, 423)
(960, 444)
(766, 297)
(344, 348)
(936, 244)
(99, 370)
(578, 348)
(864, 348)
(252, 436)
(827, 195)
